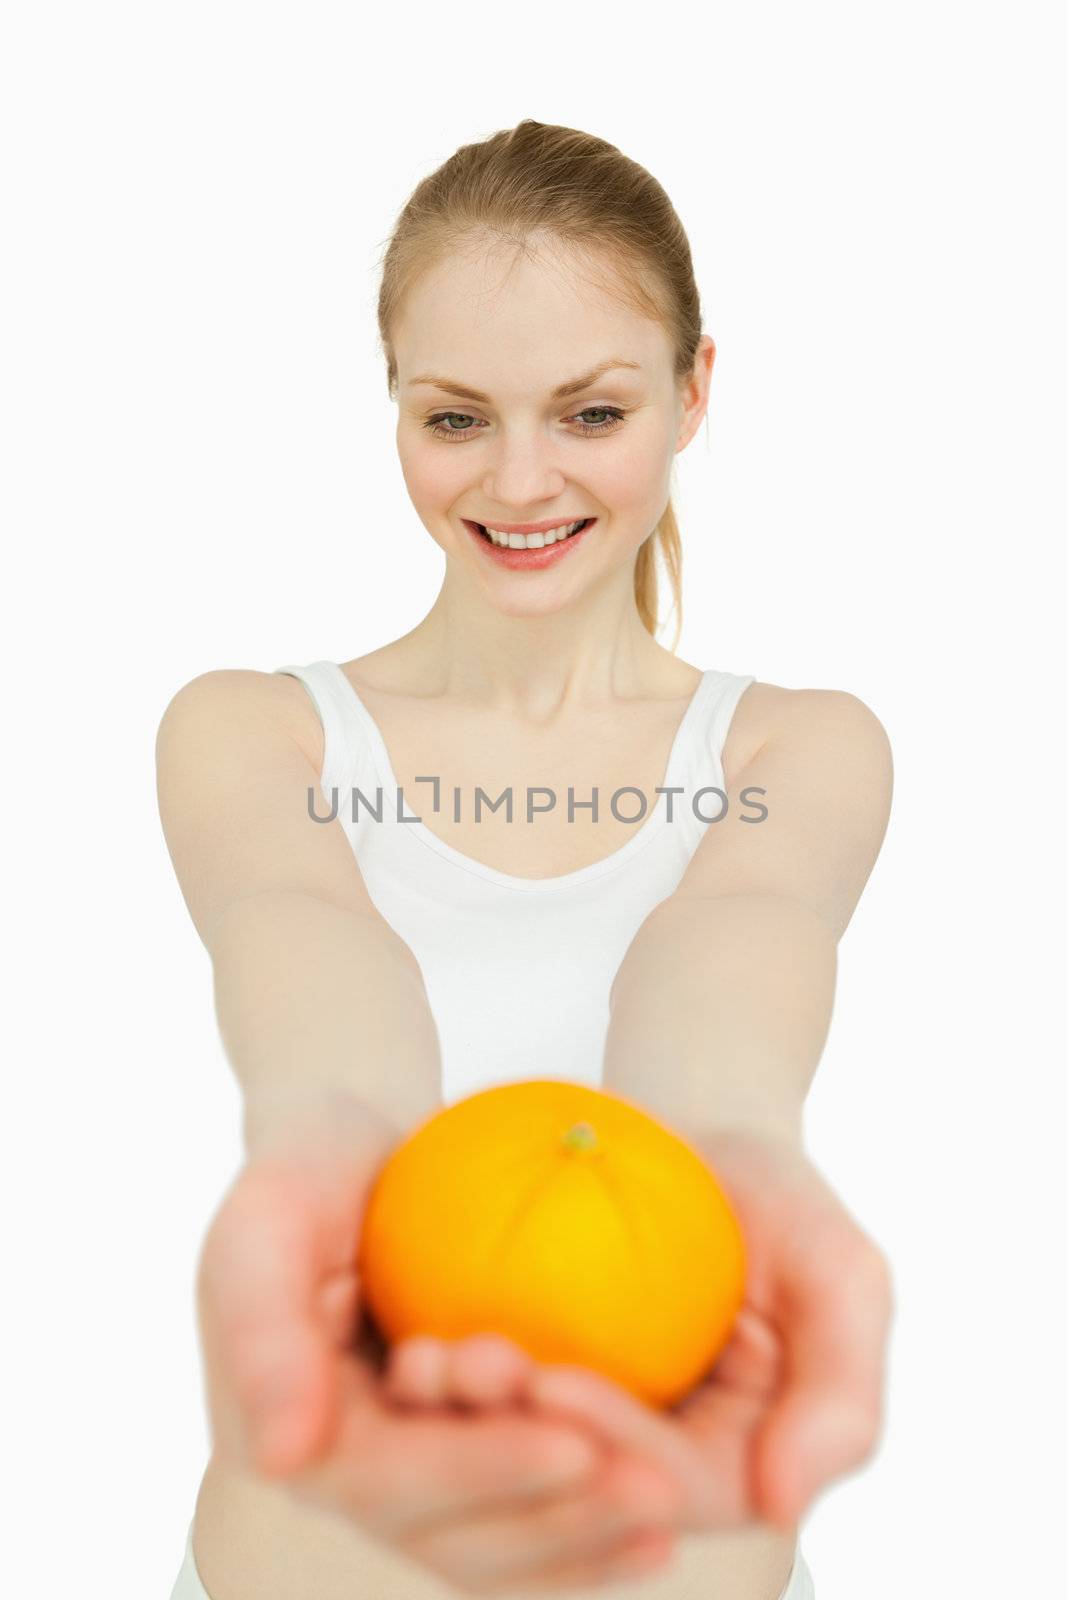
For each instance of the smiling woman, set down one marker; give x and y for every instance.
(526, 219)
(537, 308)
(598, 445)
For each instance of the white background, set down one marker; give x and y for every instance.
(200, 472)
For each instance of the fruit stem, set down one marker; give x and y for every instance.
(582, 1136)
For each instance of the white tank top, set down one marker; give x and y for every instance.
(517, 970)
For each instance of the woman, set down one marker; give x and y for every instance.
(543, 341)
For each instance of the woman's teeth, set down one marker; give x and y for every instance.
(533, 541)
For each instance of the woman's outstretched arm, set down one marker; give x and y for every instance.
(719, 1013)
(721, 1006)
(315, 994)
(317, 1001)
(327, 1026)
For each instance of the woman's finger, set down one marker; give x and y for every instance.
(621, 1419)
(397, 1471)
(263, 1332)
(591, 1527)
(469, 1564)
(480, 1370)
(835, 1311)
(637, 1556)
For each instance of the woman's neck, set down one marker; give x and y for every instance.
(534, 663)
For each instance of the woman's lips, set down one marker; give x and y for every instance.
(532, 559)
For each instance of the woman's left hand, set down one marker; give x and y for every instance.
(794, 1400)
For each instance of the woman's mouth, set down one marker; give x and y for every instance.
(529, 550)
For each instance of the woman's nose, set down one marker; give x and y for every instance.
(523, 473)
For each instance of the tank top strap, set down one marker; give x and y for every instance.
(709, 729)
(346, 753)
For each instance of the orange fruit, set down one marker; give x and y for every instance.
(566, 1219)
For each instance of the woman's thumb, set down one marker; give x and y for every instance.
(272, 1370)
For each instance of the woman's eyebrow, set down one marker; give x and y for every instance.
(563, 392)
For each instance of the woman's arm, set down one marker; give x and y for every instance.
(316, 995)
(317, 1001)
(721, 1006)
(326, 1023)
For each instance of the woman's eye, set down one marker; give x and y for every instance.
(608, 419)
(435, 424)
(458, 425)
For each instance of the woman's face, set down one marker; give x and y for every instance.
(482, 344)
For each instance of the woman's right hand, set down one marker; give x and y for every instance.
(484, 1496)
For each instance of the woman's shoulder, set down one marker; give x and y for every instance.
(243, 696)
(767, 712)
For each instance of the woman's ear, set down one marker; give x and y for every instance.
(694, 392)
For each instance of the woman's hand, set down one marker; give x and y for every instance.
(795, 1399)
(488, 1498)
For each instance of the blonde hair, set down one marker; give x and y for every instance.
(540, 180)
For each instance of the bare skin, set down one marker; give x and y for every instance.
(546, 679)
(254, 1537)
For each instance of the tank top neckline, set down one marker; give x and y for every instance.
(648, 829)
